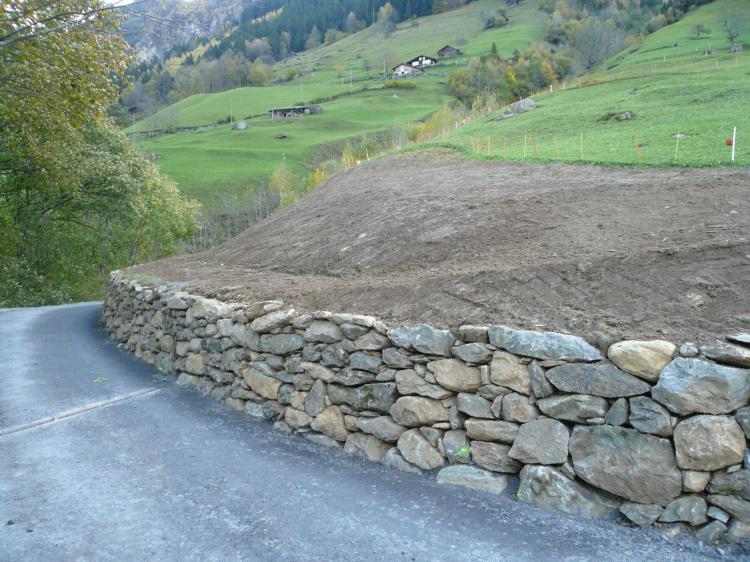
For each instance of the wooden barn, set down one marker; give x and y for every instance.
(448, 52)
(293, 111)
(405, 70)
(421, 61)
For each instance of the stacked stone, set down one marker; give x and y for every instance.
(657, 434)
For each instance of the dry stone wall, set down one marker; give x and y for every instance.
(654, 433)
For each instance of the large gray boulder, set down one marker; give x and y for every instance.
(543, 345)
(475, 352)
(423, 338)
(474, 405)
(627, 463)
(602, 380)
(729, 354)
(549, 488)
(474, 478)
(708, 442)
(648, 416)
(273, 320)
(540, 386)
(367, 446)
(377, 397)
(353, 377)
(281, 344)
(415, 411)
(322, 331)
(541, 442)
(733, 505)
(688, 386)
(642, 514)
(577, 408)
(418, 451)
(456, 446)
(330, 422)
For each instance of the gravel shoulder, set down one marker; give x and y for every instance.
(607, 253)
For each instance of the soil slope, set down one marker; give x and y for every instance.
(603, 252)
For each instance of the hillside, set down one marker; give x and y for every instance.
(667, 84)
(219, 163)
(604, 252)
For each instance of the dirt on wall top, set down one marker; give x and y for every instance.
(606, 253)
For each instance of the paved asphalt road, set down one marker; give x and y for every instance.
(103, 458)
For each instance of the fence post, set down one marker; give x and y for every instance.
(734, 141)
(581, 145)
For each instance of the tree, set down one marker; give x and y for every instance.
(700, 29)
(353, 23)
(313, 39)
(733, 23)
(387, 18)
(76, 199)
(595, 41)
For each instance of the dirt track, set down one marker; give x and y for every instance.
(603, 252)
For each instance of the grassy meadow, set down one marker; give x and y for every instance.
(215, 164)
(671, 88)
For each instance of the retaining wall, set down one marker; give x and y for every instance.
(648, 432)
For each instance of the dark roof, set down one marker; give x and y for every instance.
(419, 57)
(449, 47)
(407, 65)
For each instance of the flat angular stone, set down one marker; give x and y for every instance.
(695, 480)
(365, 362)
(540, 386)
(395, 359)
(494, 457)
(690, 509)
(375, 397)
(382, 427)
(393, 459)
(742, 338)
(366, 446)
(743, 418)
(206, 308)
(272, 321)
(318, 371)
(353, 377)
(541, 442)
(330, 422)
(708, 442)
(648, 416)
(617, 413)
(474, 405)
(455, 375)
(297, 418)
(733, 505)
(626, 463)
(477, 353)
(372, 341)
(729, 354)
(688, 386)
(737, 531)
(549, 488)
(644, 359)
(474, 478)
(281, 344)
(353, 331)
(418, 451)
(641, 514)
(456, 446)
(712, 532)
(323, 331)
(415, 411)
(423, 338)
(267, 387)
(324, 440)
(574, 407)
(244, 336)
(469, 333)
(316, 399)
(486, 430)
(516, 408)
(543, 345)
(409, 382)
(509, 371)
(733, 484)
(602, 380)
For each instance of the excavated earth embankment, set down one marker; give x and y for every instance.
(605, 253)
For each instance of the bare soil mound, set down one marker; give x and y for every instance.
(603, 252)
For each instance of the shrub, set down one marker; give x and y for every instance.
(399, 84)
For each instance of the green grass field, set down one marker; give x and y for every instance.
(666, 82)
(214, 164)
